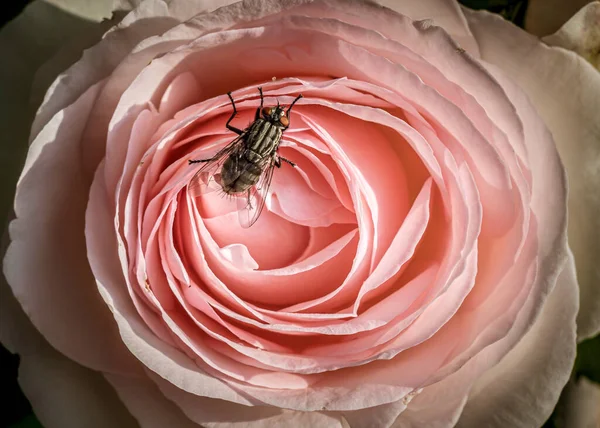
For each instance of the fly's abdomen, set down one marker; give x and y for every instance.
(239, 174)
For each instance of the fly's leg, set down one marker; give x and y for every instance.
(287, 161)
(258, 110)
(227, 125)
(287, 113)
(191, 161)
(248, 198)
(278, 160)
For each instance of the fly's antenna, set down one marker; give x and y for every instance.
(287, 113)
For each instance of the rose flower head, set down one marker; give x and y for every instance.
(298, 213)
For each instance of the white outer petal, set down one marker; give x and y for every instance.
(546, 16)
(567, 97)
(522, 390)
(580, 405)
(23, 51)
(444, 13)
(147, 404)
(70, 396)
(581, 34)
(93, 10)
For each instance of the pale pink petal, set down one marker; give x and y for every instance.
(445, 13)
(130, 36)
(152, 351)
(571, 111)
(49, 207)
(137, 45)
(81, 34)
(376, 166)
(546, 354)
(378, 416)
(220, 414)
(420, 38)
(70, 395)
(238, 255)
(180, 93)
(320, 172)
(98, 62)
(436, 406)
(402, 247)
(259, 240)
(375, 116)
(23, 52)
(147, 404)
(296, 200)
(318, 274)
(104, 262)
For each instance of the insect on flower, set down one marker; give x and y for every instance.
(244, 168)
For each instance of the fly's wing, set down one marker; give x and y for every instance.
(251, 205)
(208, 177)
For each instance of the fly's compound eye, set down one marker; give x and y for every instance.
(267, 111)
(284, 120)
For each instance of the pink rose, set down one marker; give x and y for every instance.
(412, 269)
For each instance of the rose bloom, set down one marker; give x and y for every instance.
(411, 270)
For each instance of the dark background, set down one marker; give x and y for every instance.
(15, 410)
(11, 10)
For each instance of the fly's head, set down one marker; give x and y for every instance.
(276, 116)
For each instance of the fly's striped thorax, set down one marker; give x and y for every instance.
(263, 137)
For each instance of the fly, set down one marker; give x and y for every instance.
(244, 168)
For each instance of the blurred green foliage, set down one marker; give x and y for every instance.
(512, 10)
(587, 362)
(28, 422)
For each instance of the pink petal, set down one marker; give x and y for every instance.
(570, 112)
(49, 207)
